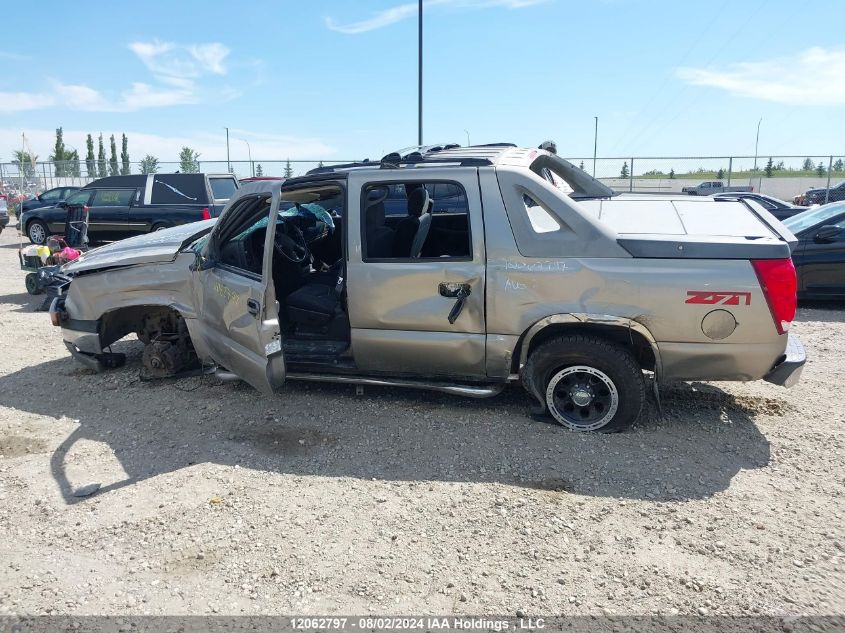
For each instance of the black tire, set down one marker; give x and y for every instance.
(31, 282)
(586, 383)
(158, 227)
(41, 232)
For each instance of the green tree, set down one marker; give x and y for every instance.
(73, 167)
(101, 158)
(90, 161)
(25, 163)
(779, 166)
(320, 164)
(114, 170)
(60, 155)
(838, 165)
(125, 167)
(149, 164)
(259, 171)
(189, 161)
(581, 165)
(720, 174)
(671, 174)
(288, 173)
(624, 173)
(808, 165)
(820, 170)
(770, 167)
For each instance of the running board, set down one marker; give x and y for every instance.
(469, 391)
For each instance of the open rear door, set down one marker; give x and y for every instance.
(238, 315)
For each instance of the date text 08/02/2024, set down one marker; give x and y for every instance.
(428, 623)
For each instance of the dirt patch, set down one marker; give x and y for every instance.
(12, 445)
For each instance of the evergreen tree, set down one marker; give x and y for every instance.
(114, 170)
(624, 173)
(320, 164)
(259, 171)
(770, 167)
(720, 174)
(73, 167)
(25, 163)
(59, 156)
(149, 164)
(838, 165)
(779, 166)
(808, 165)
(125, 168)
(820, 170)
(581, 165)
(90, 161)
(101, 158)
(189, 161)
(671, 174)
(288, 173)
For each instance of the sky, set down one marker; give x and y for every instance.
(332, 80)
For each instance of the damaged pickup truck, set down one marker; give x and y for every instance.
(507, 278)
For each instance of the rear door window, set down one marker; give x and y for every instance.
(179, 189)
(113, 197)
(223, 188)
(79, 197)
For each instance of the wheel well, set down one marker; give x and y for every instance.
(635, 342)
(142, 319)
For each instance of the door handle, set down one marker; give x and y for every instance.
(460, 292)
(253, 307)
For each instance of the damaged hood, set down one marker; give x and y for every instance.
(160, 246)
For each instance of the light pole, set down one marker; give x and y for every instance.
(468, 143)
(595, 145)
(249, 150)
(228, 164)
(420, 78)
(756, 144)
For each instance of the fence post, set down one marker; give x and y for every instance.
(827, 190)
(631, 176)
(730, 168)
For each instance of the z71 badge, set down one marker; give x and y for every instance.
(708, 297)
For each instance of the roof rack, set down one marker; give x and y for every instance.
(450, 154)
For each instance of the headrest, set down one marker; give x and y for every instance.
(418, 201)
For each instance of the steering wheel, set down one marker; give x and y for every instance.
(292, 247)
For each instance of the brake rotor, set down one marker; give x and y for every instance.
(161, 359)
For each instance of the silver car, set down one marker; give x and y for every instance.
(461, 270)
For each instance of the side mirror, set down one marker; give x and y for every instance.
(61, 204)
(827, 233)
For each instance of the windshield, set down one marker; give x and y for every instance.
(798, 223)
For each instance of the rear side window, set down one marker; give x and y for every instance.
(51, 196)
(113, 197)
(79, 197)
(179, 189)
(222, 188)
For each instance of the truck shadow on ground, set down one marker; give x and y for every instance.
(24, 302)
(705, 437)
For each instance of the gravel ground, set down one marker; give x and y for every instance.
(215, 499)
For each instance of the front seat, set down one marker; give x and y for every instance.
(314, 304)
(408, 227)
(379, 235)
(423, 226)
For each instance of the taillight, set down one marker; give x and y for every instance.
(206, 214)
(778, 281)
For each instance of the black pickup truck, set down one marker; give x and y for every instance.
(123, 206)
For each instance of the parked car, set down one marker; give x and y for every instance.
(4, 214)
(49, 198)
(709, 187)
(778, 208)
(123, 206)
(573, 295)
(820, 253)
(821, 196)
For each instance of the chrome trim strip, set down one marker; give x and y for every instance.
(469, 391)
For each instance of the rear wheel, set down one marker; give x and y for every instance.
(31, 282)
(158, 227)
(37, 232)
(586, 383)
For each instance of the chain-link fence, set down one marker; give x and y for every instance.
(803, 179)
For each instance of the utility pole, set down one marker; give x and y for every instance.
(420, 78)
(249, 150)
(228, 163)
(756, 144)
(595, 145)
(468, 143)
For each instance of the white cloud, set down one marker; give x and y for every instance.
(408, 10)
(146, 96)
(815, 76)
(212, 147)
(186, 61)
(23, 101)
(80, 97)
